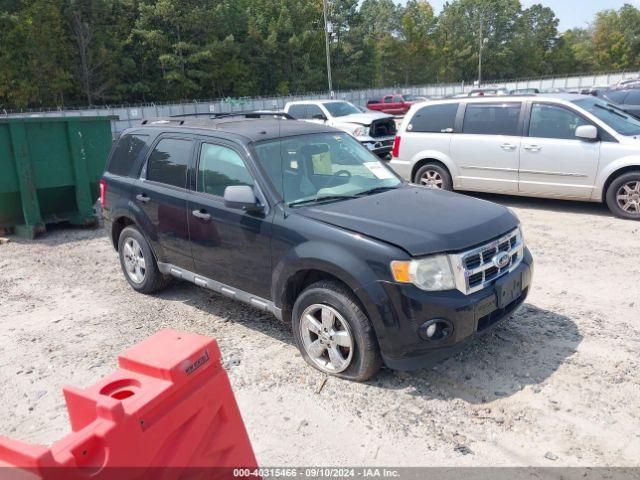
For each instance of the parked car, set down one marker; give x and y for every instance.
(627, 100)
(558, 146)
(554, 90)
(394, 104)
(626, 84)
(524, 91)
(481, 92)
(375, 130)
(301, 221)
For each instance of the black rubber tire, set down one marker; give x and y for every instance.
(447, 182)
(366, 360)
(154, 280)
(612, 191)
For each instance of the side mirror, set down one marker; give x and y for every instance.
(320, 116)
(242, 197)
(587, 132)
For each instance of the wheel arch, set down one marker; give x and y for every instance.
(615, 174)
(420, 163)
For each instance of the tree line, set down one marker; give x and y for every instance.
(94, 52)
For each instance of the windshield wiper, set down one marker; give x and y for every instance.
(324, 198)
(376, 190)
(611, 110)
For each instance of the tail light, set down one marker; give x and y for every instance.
(396, 148)
(103, 192)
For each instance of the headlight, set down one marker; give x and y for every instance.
(360, 132)
(432, 273)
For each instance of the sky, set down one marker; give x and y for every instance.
(571, 13)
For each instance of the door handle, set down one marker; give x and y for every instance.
(508, 146)
(532, 148)
(142, 197)
(201, 214)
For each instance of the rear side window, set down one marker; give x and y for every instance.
(492, 118)
(168, 162)
(219, 168)
(633, 98)
(125, 155)
(615, 96)
(434, 118)
(298, 111)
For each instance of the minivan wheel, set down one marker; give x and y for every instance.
(433, 175)
(333, 333)
(623, 196)
(138, 263)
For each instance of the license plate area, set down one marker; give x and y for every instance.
(508, 289)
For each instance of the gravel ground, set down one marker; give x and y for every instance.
(557, 384)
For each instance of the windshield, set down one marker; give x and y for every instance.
(340, 109)
(323, 167)
(620, 121)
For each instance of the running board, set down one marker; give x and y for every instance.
(221, 288)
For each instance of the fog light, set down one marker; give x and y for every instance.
(431, 330)
(436, 329)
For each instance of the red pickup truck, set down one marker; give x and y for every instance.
(393, 104)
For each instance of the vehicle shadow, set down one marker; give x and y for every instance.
(522, 351)
(228, 310)
(547, 204)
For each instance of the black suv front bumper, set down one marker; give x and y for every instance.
(402, 346)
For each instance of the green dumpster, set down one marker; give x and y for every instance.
(49, 170)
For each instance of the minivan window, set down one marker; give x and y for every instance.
(551, 121)
(492, 118)
(617, 119)
(434, 118)
(298, 111)
(168, 162)
(126, 153)
(221, 167)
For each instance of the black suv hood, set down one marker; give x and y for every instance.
(419, 220)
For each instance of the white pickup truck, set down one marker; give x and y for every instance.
(375, 130)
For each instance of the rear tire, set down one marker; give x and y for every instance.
(138, 263)
(348, 348)
(433, 175)
(623, 196)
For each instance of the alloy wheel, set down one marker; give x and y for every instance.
(326, 338)
(628, 197)
(431, 179)
(134, 262)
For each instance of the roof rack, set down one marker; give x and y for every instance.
(245, 114)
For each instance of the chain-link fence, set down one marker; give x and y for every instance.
(130, 115)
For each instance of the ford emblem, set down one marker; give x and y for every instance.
(501, 260)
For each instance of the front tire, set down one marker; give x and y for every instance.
(333, 333)
(623, 196)
(433, 175)
(138, 263)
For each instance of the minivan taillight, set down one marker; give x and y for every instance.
(103, 192)
(396, 148)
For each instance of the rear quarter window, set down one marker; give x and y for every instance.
(434, 118)
(125, 155)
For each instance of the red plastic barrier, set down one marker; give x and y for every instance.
(167, 412)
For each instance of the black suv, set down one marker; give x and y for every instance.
(302, 221)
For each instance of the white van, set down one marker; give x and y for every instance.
(557, 146)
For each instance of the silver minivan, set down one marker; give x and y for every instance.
(556, 146)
